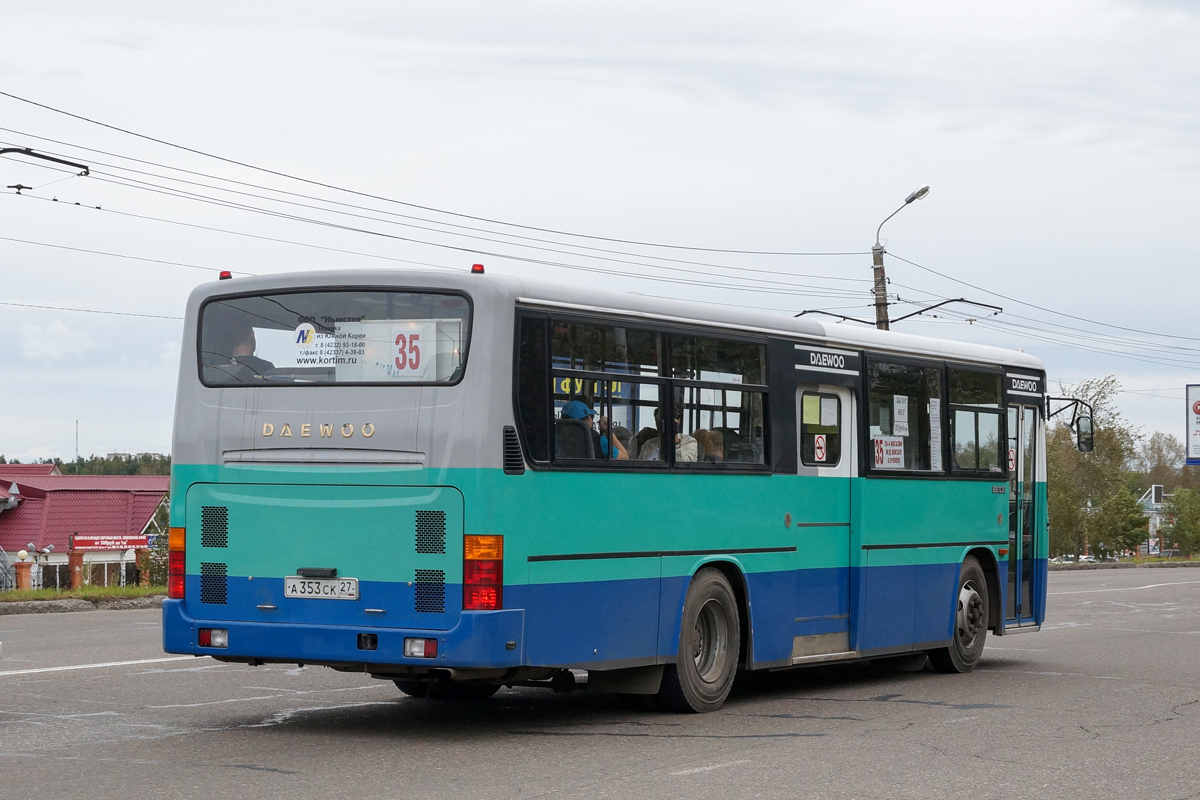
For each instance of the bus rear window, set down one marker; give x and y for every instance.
(334, 337)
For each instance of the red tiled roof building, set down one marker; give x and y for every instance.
(45, 509)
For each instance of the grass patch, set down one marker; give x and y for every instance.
(89, 593)
(1160, 559)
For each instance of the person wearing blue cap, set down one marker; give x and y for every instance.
(610, 447)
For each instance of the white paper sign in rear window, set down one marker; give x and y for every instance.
(889, 452)
(900, 410)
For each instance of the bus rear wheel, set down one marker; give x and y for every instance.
(971, 613)
(447, 689)
(709, 642)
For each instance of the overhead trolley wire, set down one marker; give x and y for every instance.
(392, 213)
(1073, 332)
(87, 310)
(431, 209)
(775, 289)
(1052, 337)
(183, 194)
(248, 235)
(119, 255)
(1043, 308)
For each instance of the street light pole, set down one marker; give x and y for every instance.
(880, 289)
(881, 304)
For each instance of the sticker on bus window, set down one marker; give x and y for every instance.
(829, 412)
(935, 434)
(889, 452)
(812, 410)
(900, 423)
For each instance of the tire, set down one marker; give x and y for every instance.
(413, 688)
(446, 689)
(971, 613)
(709, 642)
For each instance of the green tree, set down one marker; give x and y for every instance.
(1080, 484)
(116, 464)
(1184, 512)
(154, 561)
(1119, 524)
(1159, 460)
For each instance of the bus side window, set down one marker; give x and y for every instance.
(975, 422)
(531, 387)
(904, 415)
(820, 429)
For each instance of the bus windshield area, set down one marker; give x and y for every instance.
(334, 337)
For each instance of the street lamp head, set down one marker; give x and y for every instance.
(917, 195)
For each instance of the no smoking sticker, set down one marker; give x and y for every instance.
(819, 447)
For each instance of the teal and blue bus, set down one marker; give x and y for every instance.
(459, 482)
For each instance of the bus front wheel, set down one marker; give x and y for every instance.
(709, 642)
(970, 622)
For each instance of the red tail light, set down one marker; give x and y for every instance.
(175, 576)
(483, 573)
(176, 544)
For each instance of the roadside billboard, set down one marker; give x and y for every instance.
(80, 541)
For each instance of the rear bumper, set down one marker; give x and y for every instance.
(479, 640)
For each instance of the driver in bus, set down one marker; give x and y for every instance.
(232, 343)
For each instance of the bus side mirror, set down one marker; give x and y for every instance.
(1083, 434)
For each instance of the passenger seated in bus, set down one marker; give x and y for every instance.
(712, 444)
(608, 447)
(230, 346)
(622, 434)
(686, 447)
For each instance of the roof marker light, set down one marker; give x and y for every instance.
(477, 269)
(225, 275)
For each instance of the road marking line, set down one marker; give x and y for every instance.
(1126, 589)
(1017, 649)
(94, 666)
(711, 767)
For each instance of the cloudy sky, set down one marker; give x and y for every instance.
(1060, 140)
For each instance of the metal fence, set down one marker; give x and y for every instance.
(58, 576)
(8, 575)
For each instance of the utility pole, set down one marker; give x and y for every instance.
(881, 303)
(880, 288)
(76, 441)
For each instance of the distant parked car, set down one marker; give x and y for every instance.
(1170, 553)
(1087, 559)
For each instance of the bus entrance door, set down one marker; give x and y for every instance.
(827, 460)
(1023, 544)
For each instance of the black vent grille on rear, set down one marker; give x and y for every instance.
(430, 594)
(213, 583)
(431, 531)
(514, 462)
(214, 526)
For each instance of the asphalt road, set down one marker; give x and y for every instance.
(1104, 702)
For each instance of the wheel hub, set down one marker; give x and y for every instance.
(710, 641)
(969, 621)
